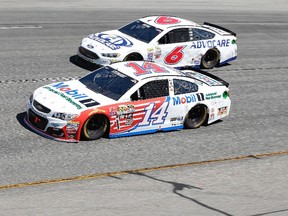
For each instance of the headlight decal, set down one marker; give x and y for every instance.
(110, 55)
(65, 116)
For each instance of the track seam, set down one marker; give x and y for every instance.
(142, 170)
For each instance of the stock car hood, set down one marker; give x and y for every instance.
(110, 42)
(69, 97)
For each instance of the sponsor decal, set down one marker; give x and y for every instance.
(96, 111)
(225, 94)
(113, 42)
(210, 43)
(150, 53)
(153, 53)
(211, 96)
(196, 60)
(211, 116)
(171, 86)
(192, 98)
(204, 78)
(74, 93)
(72, 127)
(64, 96)
(184, 100)
(125, 109)
(222, 111)
(157, 52)
(125, 112)
(112, 111)
(178, 118)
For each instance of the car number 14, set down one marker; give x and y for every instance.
(155, 117)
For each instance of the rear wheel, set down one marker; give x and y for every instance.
(133, 57)
(196, 116)
(95, 127)
(210, 59)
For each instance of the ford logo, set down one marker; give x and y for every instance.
(90, 46)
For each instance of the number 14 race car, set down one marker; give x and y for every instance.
(127, 98)
(167, 40)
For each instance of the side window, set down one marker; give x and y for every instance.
(184, 87)
(175, 36)
(200, 34)
(153, 89)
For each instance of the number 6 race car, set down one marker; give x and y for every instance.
(127, 98)
(167, 40)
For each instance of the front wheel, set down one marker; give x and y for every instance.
(195, 117)
(95, 127)
(210, 59)
(133, 57)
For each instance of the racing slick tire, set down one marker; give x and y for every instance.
(95, 127)
(196, 116)
(133, 57)
(210, 59)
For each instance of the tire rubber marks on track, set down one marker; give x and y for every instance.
(77, 77)
(102, 175)
(55, 79)
(20, 27)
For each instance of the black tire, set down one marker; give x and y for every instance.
(210, 59)
(95, 127)
(196, 116)
(133, 57)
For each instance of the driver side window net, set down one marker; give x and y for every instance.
(153, 89)
(175, 36)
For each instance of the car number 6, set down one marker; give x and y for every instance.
(175, 55)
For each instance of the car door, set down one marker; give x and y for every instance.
(174, 48)
(151, 105)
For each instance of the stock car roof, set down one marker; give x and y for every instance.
(140, 70)
(164, 22)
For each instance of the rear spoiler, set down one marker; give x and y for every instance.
(203, 75)
(219, 27)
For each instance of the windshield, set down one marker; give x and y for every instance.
(140, 31)
(109, 82)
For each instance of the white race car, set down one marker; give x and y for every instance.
(167, 40)
(127, 98)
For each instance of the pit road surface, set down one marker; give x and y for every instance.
(247, 151)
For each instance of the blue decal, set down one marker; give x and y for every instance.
(210, 43)
(145, 131)
(114, 42)
(184, 99)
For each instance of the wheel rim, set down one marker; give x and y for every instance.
(196, 116)
(210, 59)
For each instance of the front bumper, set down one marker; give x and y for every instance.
(50, 127)
(94, 58)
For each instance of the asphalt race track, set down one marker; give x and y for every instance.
(237, 166)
